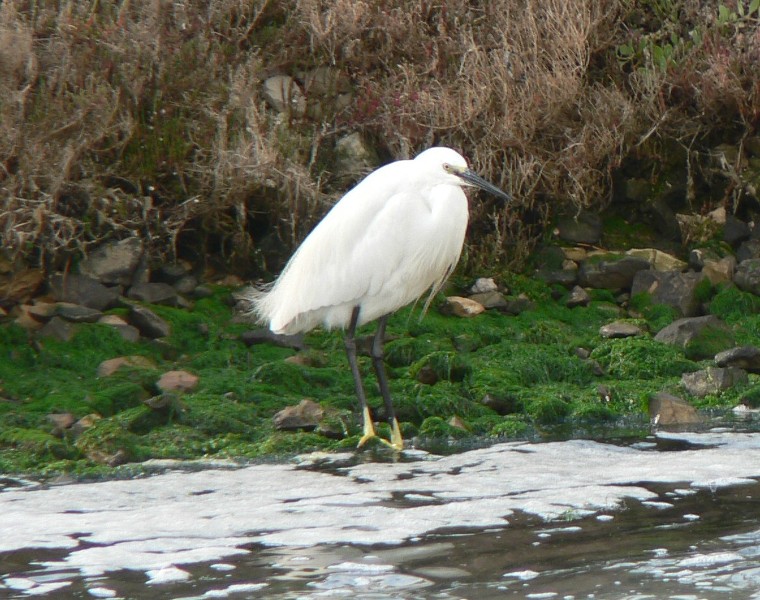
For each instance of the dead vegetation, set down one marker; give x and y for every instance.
(145, 117)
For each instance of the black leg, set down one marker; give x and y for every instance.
(378, 355)
(350, 341)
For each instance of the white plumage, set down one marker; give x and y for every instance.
(396, 235)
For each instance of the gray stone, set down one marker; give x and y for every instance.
(483, 284)
(585, 228)
(148, 323)
(700, 337)
(747, 276)
(186, 285)
(284, 95)
(125, 330)
(354, 157)
(304, 416)
(490, 299)
(77, 313)
(668, 410)
(743, 357)
(671, 288)
(170, 272)
(57, 328)
(265, 336)
(517, 305)
(564, 277)
(637, 190)
(615, 272)
(720, 271)
(735, 230)
(748, 250)
(154, 293)
(79, 289)
(713, 380)
(115, 262)
(658, 260)
(620, 329)
(578, 297)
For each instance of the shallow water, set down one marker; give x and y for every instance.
(677, 516)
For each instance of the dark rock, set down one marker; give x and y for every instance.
(305, 416)
(265, 336)
(202, 291)
(116, 262)
(502, 405)
(40, 311)
(427, 375)
(491, 299)
(582, 353)
(749, 250)
(186, 285)
(613, 273)
(170, 273)
(666, 409)
(735, 230)
(664, 219)
(148, 323)
(747, 276)
(126, 331)
(154, 293)
(743, 357)
(713, 380)
(620, 329)
(77, 313)
(585, 228)
(564, 277)
(700, 337)
(671, 288)
(578, 297)
(57, 328)
(79, 289)
(517, 305)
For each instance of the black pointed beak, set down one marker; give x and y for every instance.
(473, 179)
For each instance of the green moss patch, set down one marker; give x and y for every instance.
(499, 376)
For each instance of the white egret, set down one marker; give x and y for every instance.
(394, 236)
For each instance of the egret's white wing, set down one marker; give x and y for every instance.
(382, 246)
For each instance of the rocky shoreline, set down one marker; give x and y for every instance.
(593, 334)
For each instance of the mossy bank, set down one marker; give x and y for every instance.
(492, 377)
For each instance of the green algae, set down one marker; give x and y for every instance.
(439, 367)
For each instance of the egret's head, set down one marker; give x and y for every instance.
(453, 167)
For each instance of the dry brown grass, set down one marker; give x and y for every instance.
(146, 116)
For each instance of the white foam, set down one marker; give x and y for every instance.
(181, 518)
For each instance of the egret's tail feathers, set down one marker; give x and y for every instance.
(260, 309)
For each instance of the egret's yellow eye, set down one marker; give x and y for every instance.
(447, 167)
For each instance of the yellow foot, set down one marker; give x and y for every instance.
(397, 442)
